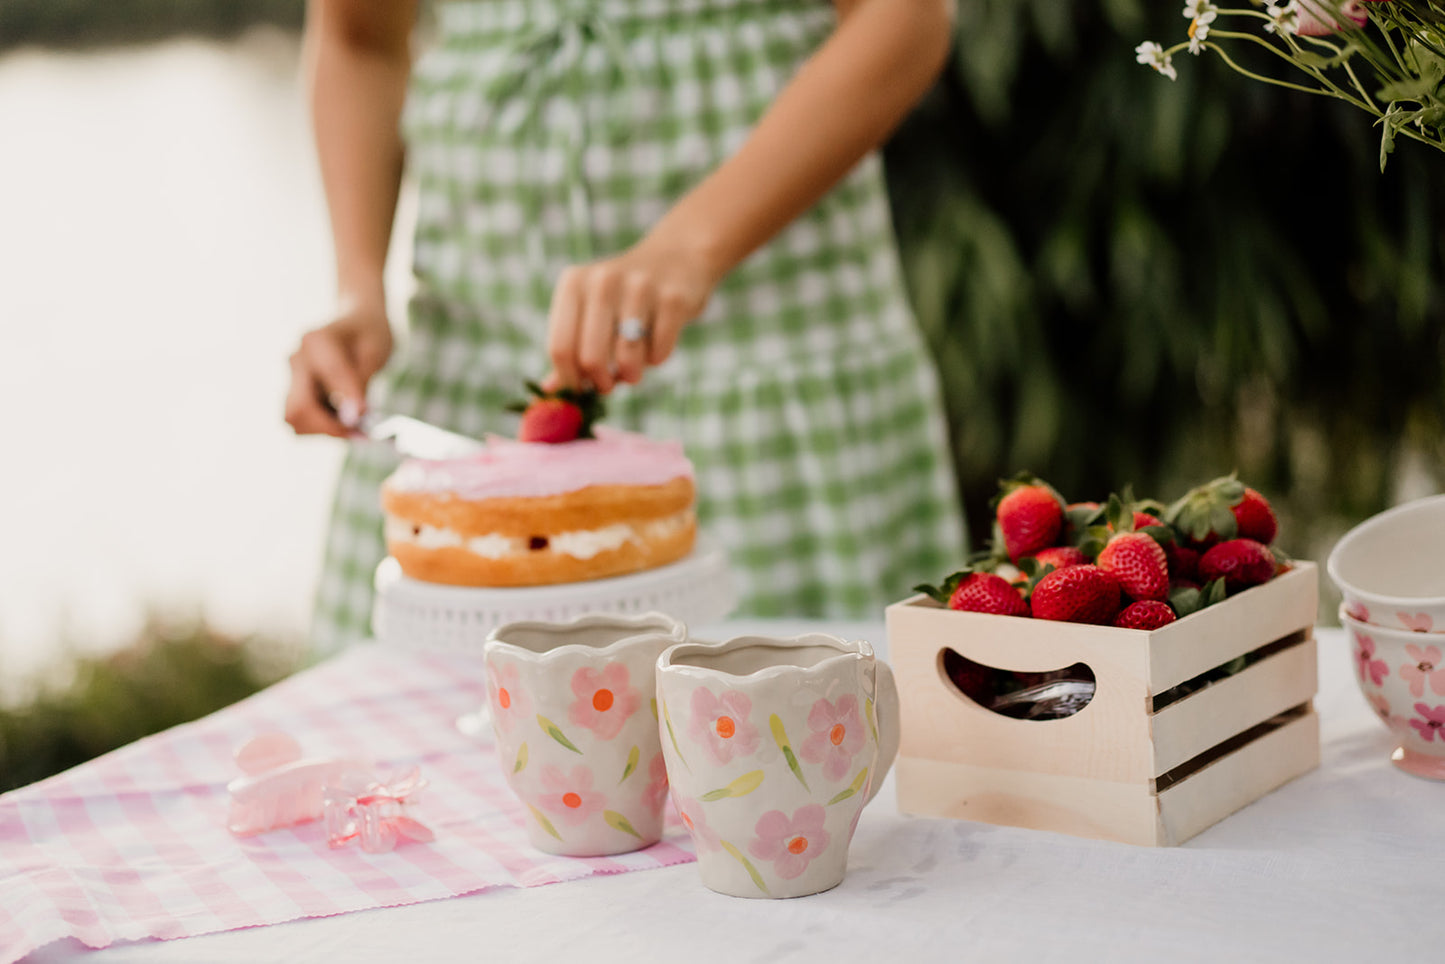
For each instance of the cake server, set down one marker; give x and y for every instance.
(409, 436)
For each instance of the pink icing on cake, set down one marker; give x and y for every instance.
(506, 468)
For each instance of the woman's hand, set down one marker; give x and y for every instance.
(330, 369)
(610, 319)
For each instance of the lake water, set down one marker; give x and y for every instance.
(163, 244)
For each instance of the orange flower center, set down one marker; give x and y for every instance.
(797, 845)
(687, 821)
(836, 734)
(726, 727)
(571, 800)
(602, 701)
(504, 698)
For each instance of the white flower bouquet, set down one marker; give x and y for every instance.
(1386, 57)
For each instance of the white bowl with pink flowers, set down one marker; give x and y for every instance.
(1402, 674)
(1391, 567)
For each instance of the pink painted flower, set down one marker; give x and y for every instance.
(508, 699)
(605, 699)
(837, 735)
(1417, 622)
(1369, 668)
(1427, 669)
(694, 818)
(720, 723)
(570, 795)
(1358, 610)
(1381, 706)
(1431, 722)
(791, 844)
(656, 793)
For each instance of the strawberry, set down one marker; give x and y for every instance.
(1241, 563)
(1142, 520)
(1255, 517)
(1138, 562)
(979, 592)
(1061, 556)
(1030, 516)
(1145, 614)
(558, 416)
(1183, 562)
(1077, 594)
(1220, 510)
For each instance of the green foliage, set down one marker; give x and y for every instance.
(169, 675)
(79, 23)
(1128, 279)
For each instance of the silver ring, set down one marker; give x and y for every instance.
(632, 329)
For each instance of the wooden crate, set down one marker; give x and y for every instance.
(1140, 763)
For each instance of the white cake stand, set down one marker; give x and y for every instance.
(697, 590)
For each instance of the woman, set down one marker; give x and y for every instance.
(675, 196)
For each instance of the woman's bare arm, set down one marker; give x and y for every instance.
(358, 60)
(843, 103)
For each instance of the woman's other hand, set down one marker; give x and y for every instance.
(611, 319)
(331, 368)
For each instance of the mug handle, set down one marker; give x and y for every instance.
(885, 707)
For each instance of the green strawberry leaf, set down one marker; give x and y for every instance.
(1212, 593)
(1184, 601)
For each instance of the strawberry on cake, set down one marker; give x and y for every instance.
(562, 503)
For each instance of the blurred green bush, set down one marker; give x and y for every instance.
(170, 674)
(1132, 280)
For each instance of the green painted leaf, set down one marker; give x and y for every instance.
(855, 788)
(617, 821)
(740, 787)
(521, 759)
(556, 734)
(780, 736)
(667, 717)
(632, 758)
(546, 824)
(654, 708)
(747, 865)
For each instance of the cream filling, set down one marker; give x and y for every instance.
(578, 543)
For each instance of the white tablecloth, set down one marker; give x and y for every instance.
(1342, 864)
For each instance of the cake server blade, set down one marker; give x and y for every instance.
(415, 438)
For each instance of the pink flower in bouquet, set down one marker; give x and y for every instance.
(1427, 669)
(509, 700)
(656, 791)
(1317, 17)
(1368, 667)
(791, 844)
(1431, 722)
(570, 795)
(837, 735)
(720, 723)
(704, 838)
(605, 699)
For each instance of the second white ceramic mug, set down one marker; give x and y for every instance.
(773, 746)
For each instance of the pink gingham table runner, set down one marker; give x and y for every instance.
(133, 845)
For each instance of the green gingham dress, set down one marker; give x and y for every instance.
(543, 133)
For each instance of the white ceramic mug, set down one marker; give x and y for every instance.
(574, 710)
(773, 746)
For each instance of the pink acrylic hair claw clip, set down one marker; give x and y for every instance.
(280, 788)
(359, 808)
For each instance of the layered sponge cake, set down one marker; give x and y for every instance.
(529, 513)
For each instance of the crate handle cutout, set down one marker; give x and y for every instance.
(1050, 695)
